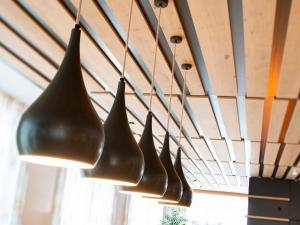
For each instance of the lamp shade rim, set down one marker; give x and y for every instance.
(55, 161)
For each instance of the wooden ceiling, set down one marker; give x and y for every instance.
(242, 111)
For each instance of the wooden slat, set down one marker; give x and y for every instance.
(58, 19)
(293, 134)
(279, 108)
(171, 25)
(289, 81)
(271, 153)
(254, 113)
(291, 175)
(202, 109)
(30, 30)
(280, 172)
(289, 155)
(203, 149)
(268, 170)
(186, 122)
(100, 25)
(142, 37)
(101, 113)
(232, 180)
(221, 149)
(258, 31)
(214, 167)
(254, 170)
(211, 21)
(162, 114)
(255, 149)
(105, 99)
(203, 166)
(190, 165)
(239, 151)
(227, 168)
(230, 117)
(17, 45)
(240, 169)
(136, 106)
(244, 181)
(189, 150)
(22, 68)
(220, 180)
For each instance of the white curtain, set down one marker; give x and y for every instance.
(10, 112)
(85, 202)
(144, 211)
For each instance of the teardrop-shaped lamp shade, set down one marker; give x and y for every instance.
(155, 179)
(61, 128)
(187, 194)
(122, 161)
(174, 189)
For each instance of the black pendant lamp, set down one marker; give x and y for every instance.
(155, 179)
(61, 128)
(122, 160)
(187, 194)
(174, 189)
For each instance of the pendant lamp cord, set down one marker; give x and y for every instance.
(171, 88)
(182, 107)
(127, 39)
(155, 58)
(78, 12)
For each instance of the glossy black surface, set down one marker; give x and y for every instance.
(155, 178)
(187, 194)
(62, 122)
(174, 189)
(122, 160)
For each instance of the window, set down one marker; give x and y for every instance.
(10, 175)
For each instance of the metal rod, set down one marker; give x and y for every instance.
(127, 38)
(182, 107)
(78, 11)
(155, 58)
(171, 88)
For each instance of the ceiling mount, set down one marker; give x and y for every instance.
(186, 66)
(161, 3)
(176, 39)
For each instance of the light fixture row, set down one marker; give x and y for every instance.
(61, 128)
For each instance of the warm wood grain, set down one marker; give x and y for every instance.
(204, 114)
(203, 149)
(254, 114)
(141, 37)
(105, 32)
(289, 155)
(280, 172)
(279, 108)
(271, 151)
(230, 117)
(289, 80)
(255, 150)
(268, 170)
(186, 121)
(254, 170)
(239, 151)
(221, 149)
(211, 21)
(61, 22)
(162, 114)
(22, 68)
(293, 134)
(171, 25)
(258, 34)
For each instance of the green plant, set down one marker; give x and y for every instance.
(173, 217)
